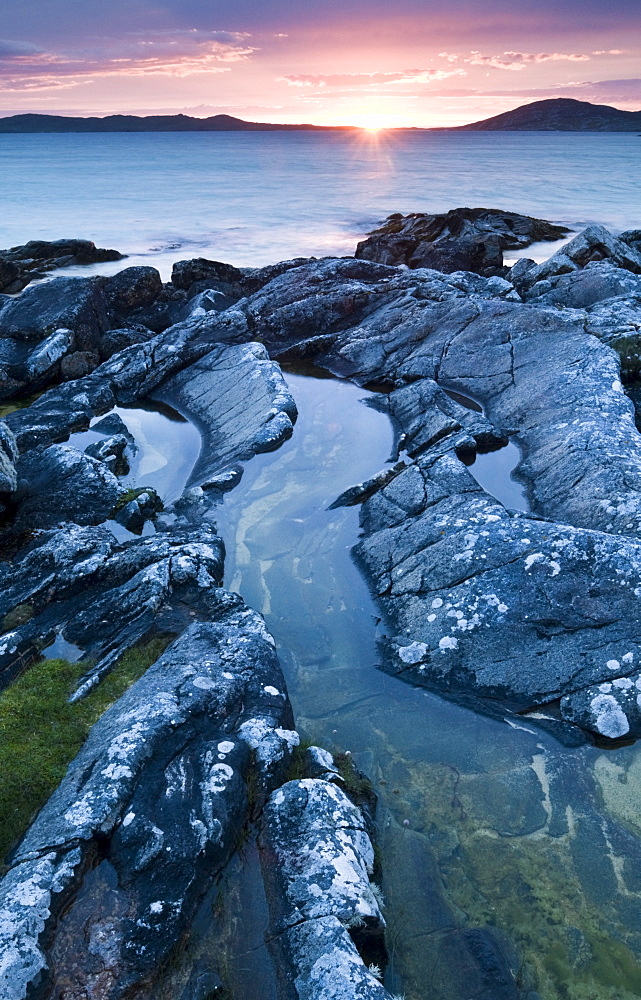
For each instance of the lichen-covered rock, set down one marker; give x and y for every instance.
(8, 458)
(105, 597)
(317, 859)
(483, 602)
(147, 815)
(111, 452)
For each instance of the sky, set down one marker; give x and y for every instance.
(372, 63)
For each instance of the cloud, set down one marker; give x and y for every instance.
(10, 49)
(176, 53)
(368, 79)
(625, 94)
(514, 61)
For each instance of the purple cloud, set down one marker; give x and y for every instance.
(162, 53)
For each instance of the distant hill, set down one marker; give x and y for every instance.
(560, 114)
(150, 123)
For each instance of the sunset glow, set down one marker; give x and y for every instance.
(361, 66)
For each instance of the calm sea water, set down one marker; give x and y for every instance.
(252, 199)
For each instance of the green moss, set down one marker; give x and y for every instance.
(128, 496)
(40, 732)
(19, 615)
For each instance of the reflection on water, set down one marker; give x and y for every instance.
(484, 824)
(165, 449)
(493, 471)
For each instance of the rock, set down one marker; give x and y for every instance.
(594, 244)
(208, 273)
(617, 322)
(482, 602)
(316, 857)
(8, 458)
(60, 484)
(113, 341)
(20, 265)
(160, 791)
(133, 288)
(78, 364)
(82, 251)
(44, 359)
(582, 455)
(468, 239)
(610, 708)
(76, 304)
(232, 283)
(104, 597)
(242, 403)
(11, 274)
(633, 238)
(142, 508)
(111, 452)
(598, 281)
(482, 256)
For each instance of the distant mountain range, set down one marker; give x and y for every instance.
(150, 123)
(562, 114)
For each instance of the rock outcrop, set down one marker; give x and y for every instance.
(20, 265)
(463, 239)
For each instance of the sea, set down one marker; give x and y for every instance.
(256, 198)
(484, 825)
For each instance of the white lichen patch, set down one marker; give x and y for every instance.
(414, 653)
(609, 718)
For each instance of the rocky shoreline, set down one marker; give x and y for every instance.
(516, 613)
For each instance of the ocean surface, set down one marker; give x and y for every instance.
(255, 198)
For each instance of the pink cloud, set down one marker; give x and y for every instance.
(174, 54)
(356, 79)
(514, 61)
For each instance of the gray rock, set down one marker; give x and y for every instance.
(61, 484)
(132, 288)
(317, 857)
(594, 244)
(117, 340)
(241, 402)
(111, 451)
(598, 281)
(610, 708)
(162, 780)
(8, 458)
(76, 304)
(104, 597)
